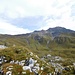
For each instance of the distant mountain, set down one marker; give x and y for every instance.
(44, 40)
(40, 36)
(54, 32)
(59, 30)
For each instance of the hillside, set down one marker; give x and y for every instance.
(57, 38)
(56, 41)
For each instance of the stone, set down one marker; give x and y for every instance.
(8, 73)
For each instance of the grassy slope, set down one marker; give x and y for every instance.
(20, 46)
(64, 45)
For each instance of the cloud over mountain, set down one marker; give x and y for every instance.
(53, 12)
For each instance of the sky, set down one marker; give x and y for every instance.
(25, 16)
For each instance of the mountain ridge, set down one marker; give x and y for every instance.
(53, 31)
(44, 38)
(56, 31)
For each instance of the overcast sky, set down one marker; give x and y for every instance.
(24, 16)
